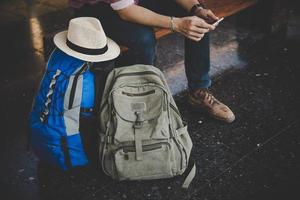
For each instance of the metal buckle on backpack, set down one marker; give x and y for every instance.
(138, 125)
(139, 120)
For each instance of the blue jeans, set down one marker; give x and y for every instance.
(141, 39)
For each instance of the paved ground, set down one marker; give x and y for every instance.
(256, 157)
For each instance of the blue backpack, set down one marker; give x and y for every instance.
(66, 93)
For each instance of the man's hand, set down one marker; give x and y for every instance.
(193, 27)
(207, 15)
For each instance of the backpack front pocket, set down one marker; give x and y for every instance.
(149, 102)
(155, 163)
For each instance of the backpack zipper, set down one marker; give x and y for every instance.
(148, 147)
(74, 84)
(136, 73)
(138, 94)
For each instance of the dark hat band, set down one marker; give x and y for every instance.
(84, 50)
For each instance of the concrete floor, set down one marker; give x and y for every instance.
(256, 157)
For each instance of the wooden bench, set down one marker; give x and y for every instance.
(222, 8)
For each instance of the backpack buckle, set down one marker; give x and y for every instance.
(138, 125)
(139, 120)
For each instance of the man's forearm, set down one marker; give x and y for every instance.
(191, 27)
(140, 15)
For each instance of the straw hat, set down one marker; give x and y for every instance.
(85, 39)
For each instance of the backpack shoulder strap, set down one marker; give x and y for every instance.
(72, 101)
(191, 173)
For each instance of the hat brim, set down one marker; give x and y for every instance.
(112, 52)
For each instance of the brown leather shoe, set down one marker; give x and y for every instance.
(202, 98)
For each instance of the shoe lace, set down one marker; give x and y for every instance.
(208, 97)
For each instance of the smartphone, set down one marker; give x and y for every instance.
(217, 22)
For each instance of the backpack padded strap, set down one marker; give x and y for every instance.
(66, 153)
(189, 173)
(189, 177)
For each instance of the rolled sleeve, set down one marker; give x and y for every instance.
(118, 5)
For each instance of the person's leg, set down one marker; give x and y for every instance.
(138, 38)
(197, 54)
(197, 65)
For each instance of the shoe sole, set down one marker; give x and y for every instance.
(209, 114)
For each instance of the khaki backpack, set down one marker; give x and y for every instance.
(142, 135)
